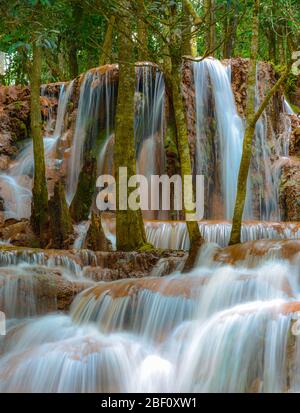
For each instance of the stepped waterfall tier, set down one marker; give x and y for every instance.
(107, 321)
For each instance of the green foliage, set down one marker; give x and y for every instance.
(72, 32)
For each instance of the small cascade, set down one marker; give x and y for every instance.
(181, 333)
(16, 184)
(80, 232)
(150, 120)
(271, 151)
(60, 357)
(219, 134)
(174, 235)
(26, 291)
(94, 122)
(287, 107)
(150, 306)
(34, 258)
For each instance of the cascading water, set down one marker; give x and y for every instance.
(223, 329)
(150, 120)
(174, 235)
(16, 184)
(219, 132)
(95, 117)
(270, 151)
(220, 328)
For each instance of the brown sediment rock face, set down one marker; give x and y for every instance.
(286, 249)
(295, 96)
(103, 265)
(290, 182)
(14, 117)
(50, 289)
(239, 70)
(18, 233)
(15, 114)
(183, 286)
(120, 265)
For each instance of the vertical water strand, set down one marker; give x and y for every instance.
(105, 157)
(150, 124)
(219, 131)
(86, 128)
(269, 153)
(64, 98)
(150, 120)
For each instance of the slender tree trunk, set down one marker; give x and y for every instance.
(251, 120)
(107, 44)
(229, 30)
(142, 35)
(130, 231)
(183, 143)
(187, 45)
(235, 236)
(39, 207)
(73, 63)
(210, 26)
(173, 78)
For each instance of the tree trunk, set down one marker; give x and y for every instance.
(81, 204)
(229, 31)
(130, 231)
(186, 32)
(61, 227)
(73, 63)
(235, 236)
(142, 35)
(173, 77)
(39, 207)
(251, 120)
(95, 238)
(183, 144)
(107, 44)
(210, 26)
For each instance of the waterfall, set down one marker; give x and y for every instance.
(174, 235)
(16, 183)
(219, 131)
(150, 120)
(216, 329)
(269, 153)
(94, 122)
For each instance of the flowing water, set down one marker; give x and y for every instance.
(219, 328)
(16, 183)
(230, 325)
(220, 132)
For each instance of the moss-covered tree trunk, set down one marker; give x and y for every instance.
(107, 44)
(187, 48)
(230, 29)
(96, 239)
(210, 26)
(39, 206)
(235, 236)
(173, 78)
(142, 35)
(81, 204)
(251, 120)
(130, 231)
(61, 227)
